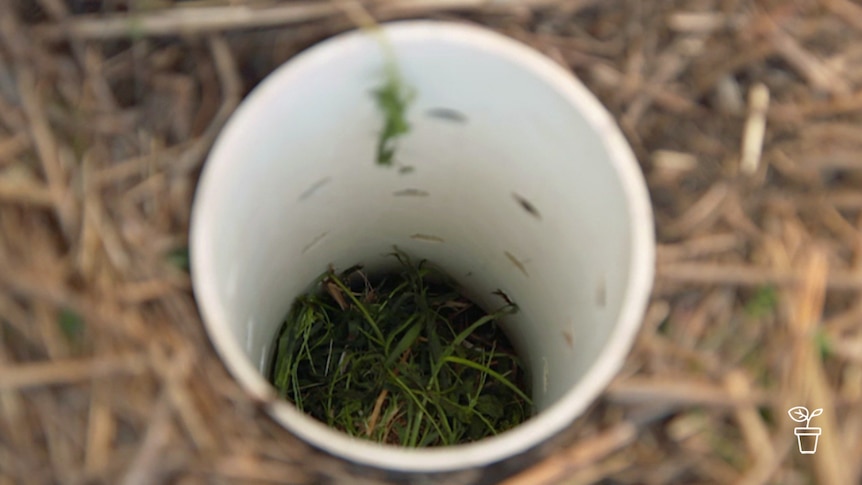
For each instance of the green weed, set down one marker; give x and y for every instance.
(405, 360)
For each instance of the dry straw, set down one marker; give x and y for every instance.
(106, 115)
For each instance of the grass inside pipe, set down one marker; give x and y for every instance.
(403, 360)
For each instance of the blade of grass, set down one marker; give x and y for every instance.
(406, 342)
(498, 377)
(359, 306)
(415, 399)
(466, 332)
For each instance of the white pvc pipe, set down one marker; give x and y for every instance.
(532, 190)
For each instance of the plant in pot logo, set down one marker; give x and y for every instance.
(806, 436)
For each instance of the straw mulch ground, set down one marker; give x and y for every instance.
(107, 112)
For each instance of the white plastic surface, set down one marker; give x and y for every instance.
(291, 186)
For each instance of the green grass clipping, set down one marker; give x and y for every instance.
(405, 360)
(393, 99)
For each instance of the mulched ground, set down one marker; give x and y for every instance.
(108, 108)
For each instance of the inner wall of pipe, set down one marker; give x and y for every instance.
(504, 193)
